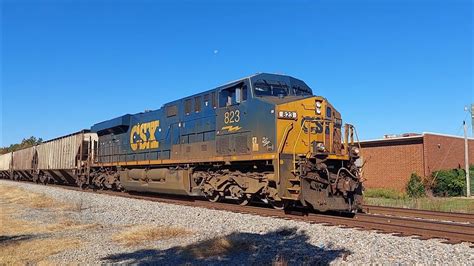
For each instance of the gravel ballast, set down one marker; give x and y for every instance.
(254, 239)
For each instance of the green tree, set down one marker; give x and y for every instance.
(25, 143)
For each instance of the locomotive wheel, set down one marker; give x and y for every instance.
(117, 186)
(279, 205)
(244, 200)
(215, 197)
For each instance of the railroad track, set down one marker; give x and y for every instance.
(450, 232)
(423, 214)
(380, 219)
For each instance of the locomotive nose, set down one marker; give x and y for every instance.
(317, 127)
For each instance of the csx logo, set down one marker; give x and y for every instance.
(316, 127)
(142, 136)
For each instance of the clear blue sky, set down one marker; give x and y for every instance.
(388, 66)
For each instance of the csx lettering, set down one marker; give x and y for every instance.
(142, 136)
(316, 127)
(232, 117)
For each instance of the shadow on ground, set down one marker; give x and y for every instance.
(8, 240)
(278, 247)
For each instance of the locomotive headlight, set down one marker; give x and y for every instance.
(287, 115)
(355, 150)
(318, 107)
(321, 147)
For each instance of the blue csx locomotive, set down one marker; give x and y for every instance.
(262, 137)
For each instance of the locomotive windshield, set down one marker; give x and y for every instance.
(270, 88)
(264, 87)
(301, 90)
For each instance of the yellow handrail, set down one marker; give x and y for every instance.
(294, 147)
(288, 128)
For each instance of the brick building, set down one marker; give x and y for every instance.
(389, 162)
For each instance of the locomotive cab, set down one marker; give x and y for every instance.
(315, 153)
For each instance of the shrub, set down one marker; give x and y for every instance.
(450, 183)
(415, 187)
(471, 174)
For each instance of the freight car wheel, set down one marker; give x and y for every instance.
(42, 179)
(81, 184)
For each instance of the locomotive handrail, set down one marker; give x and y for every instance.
(288, 128)
(309, 134)
(294, 146)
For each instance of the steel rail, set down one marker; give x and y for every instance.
(417, 213)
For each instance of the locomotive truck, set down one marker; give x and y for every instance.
(263, 137)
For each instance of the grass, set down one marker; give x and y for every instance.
(32, 242)
(384, 193)
(141, 234)
(391, 198)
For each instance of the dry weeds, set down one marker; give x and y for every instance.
(20, 196)
(25, 241)
(217, 247)
(141, 234)
(68, 224)
(30, 242)
(23, 252)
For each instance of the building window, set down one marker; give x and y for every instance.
(188, 106)
(197, 104)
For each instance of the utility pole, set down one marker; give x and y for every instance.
(466, 160)
(472, 118)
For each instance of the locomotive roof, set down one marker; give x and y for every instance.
(124, 120)
(230, 83)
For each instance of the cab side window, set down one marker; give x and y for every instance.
(188, 105)
(197, 104)
(214, 99)
(171, 110)
(233, 95)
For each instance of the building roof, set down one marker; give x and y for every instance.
(408, 139)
